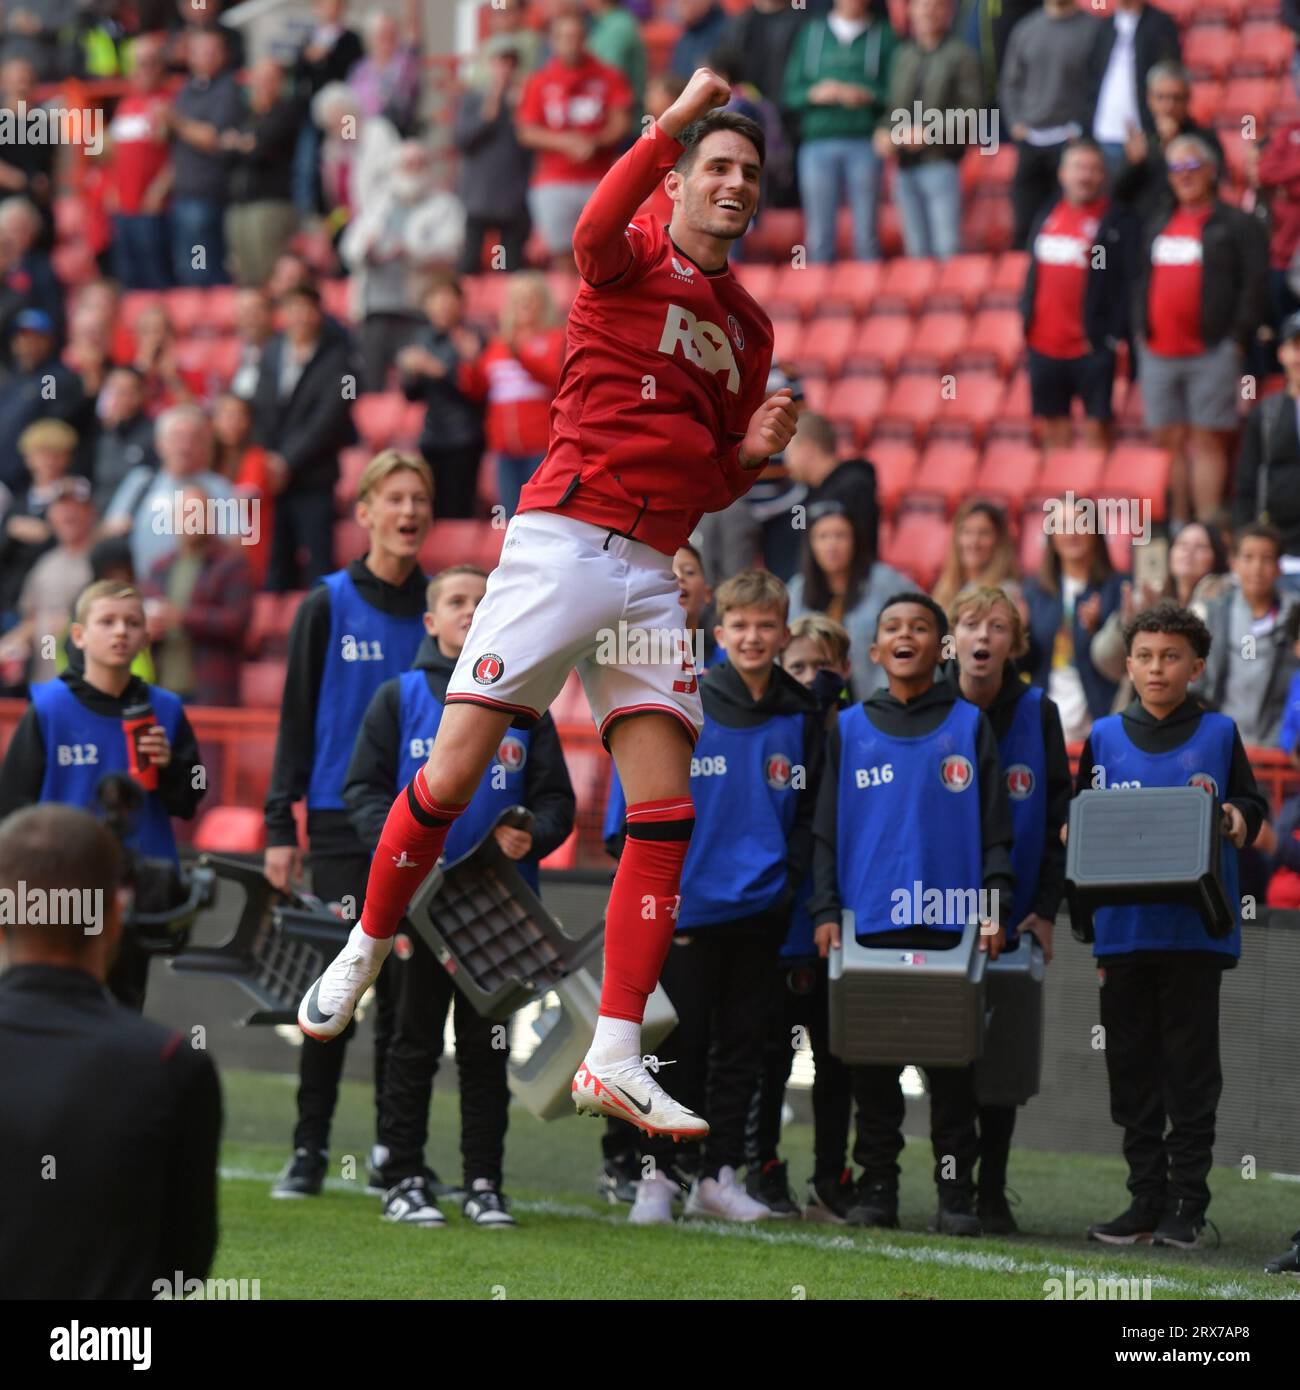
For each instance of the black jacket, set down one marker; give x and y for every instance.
(24, 764)
(1156, 39)
(1106, 295)
(264, 172)
(1234, 280)
(372, 773)
(452, 420)
(1144, 186)
(108, 1169)
(295, 743)
(1268, 469)
(1060, 786)
(914, 719)
(310, 426)
(852, 484)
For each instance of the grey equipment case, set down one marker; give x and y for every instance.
(1145, 845)
(899, 1005)
(1011, 1068)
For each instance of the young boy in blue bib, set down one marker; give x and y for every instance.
(988, 634)
(1159, 968)
(529, 770)
(357, 628)
(754, 775)
(71, 737)
(913, 792)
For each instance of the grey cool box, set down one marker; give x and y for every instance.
(491, 933)
(899, 1005)
(1145, 845)
(1011, 1068)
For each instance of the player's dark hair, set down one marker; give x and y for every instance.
(710, 125)
(1259, 531)
(1169, 618)
(922, 601)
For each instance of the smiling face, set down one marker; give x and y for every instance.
(984, 641)
(907, 642)
(398, 513)
(752, 635)
(453, 610)
(1191, 175)
(717, 195)
(1161, 666)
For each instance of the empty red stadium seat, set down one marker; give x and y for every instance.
(268, 629)
(826, 344)
(938, 341)
(946, 470)
(912, 404)
(857, 282)
(186, 308)
(975, 401)
(215, 359)
(775, 235)
(962, 282)
(1141, 471)
(380, 418)
(895, 463)
(854, 402)
(994, 171)
(996, 336)
(787, 339)
(882, 342)
(918, 546)
(1207, 98)
(351, 541)
(1209, 49)
(231, 830)
(904, 285)
(1264, 46)
(1008, 472)
(889, 232)
(987, 222)
(1070, 470)
(801, 288)
(261, 684)
(1248, 96)
(455, 542)
(758, 280)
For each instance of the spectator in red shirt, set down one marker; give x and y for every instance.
(1275, 171)
(1200, 295)
(140, 173)
(576, 112)
(517, 375)
(1075, 299)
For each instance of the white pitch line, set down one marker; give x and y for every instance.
(913, 1254)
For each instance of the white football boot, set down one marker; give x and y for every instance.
(327, 1007)
(654, 1202)
(626, 1091)
(723, 1199)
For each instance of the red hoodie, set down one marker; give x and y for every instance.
(518, 387)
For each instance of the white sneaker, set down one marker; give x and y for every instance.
(723, 1199)
(654, 1202)
(327, 1007)
(626, 1091)
(409, 1204)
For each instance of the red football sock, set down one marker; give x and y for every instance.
(409, 846)
(643, 902)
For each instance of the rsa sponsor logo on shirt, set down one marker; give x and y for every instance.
(1020, 782)
(1176, 250)
(1060, 249)
(702, 343)
(956, 772)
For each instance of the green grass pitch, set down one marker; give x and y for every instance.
(571, 1245)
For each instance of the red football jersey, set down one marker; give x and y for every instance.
(665, 365)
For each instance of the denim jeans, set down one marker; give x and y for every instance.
(826, 169)
(929, 204)
(513, 471)
(199, 222)
(140, 259)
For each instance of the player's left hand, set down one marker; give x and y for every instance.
(994, 942)
(154, 744)
(515, 844)
(771, 428)
(1234, 825)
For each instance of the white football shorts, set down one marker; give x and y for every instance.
(568, 595)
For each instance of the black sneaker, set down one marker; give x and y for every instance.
(1181, 1225)
(770, 1185)
(618, 1179)
(486, 1206)
(1136, 1226)
(873, 1204)
(829, 1198)
(410, 1204)
(303, 1175)
(994, 1212)
(375, 1183)
(1288, 1263)
(956, 1216)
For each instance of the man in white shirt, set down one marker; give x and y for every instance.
(1132, 40)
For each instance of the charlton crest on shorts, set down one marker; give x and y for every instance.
(402, 947)
(955, 772)
(512, 754)
(489, 669)
(1205, 782)
(778, 772)
(1020, 782)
